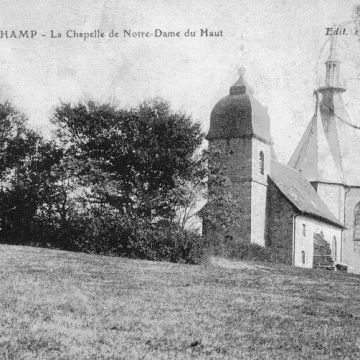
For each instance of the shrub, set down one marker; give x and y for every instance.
(167, 243)
(241, 251)
(117, 235)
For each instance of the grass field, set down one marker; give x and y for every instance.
(63, 305)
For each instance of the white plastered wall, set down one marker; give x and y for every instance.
(258, 191)
(333, 196)
(306, 243)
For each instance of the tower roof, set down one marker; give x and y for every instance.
(239, 114)
(330, 147)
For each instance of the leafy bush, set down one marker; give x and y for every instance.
(322, 252)
(169, 243)
(241, 251)
(116, 235)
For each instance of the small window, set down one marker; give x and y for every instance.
(303, 257)
(228, 239)
(304, 229)
(334, 248)
(357, 223)
(261, 163)
(321, 234)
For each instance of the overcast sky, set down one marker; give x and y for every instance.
(278, 42)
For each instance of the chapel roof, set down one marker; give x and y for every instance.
(300, 193)
(330, 147)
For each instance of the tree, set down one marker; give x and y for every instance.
(131, 160)
(15, 139)
(131, 167)
(16, 142)
(30, 199)
(30, 190)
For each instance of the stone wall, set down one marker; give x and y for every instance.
(279, 224)
(241, 156)
(236, 157)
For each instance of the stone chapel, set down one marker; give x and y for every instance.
(313, 200)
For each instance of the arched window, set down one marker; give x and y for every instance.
(334, 248)
(357, 223)
(261, 163)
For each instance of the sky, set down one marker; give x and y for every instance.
(280, 43)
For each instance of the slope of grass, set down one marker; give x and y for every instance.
(62, 305)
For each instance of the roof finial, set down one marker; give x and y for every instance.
(242, 46)
(239, 87)
(241, 71)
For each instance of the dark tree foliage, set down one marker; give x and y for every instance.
(130, 168)
(15, 139)
(111, 182)
(29, 193)
(132, 160)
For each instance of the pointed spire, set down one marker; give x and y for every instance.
(333, 57)
(239, 87)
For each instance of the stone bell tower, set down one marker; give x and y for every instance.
(240, 130)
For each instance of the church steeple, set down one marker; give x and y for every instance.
(240, 133)
(329, 150)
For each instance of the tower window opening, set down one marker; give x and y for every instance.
(336, 74)
(334, 248)
(261, 163)
(304, 229)
(328, 74)
(303, 257)
(357, 223)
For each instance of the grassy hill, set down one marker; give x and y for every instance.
(62, 305)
